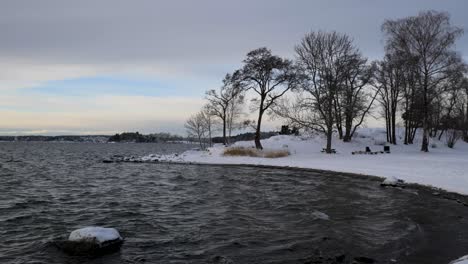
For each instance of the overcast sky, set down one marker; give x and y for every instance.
(100, 67)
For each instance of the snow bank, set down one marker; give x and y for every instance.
(462, 260)
(94, 233)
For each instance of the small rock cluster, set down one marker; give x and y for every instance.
(338, 258)
(148, 158)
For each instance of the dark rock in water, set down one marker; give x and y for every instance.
(114, 158)
(364, 260)
(340, 258)
(89, 248)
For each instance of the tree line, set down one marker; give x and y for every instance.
(136, 137)
(421, 80)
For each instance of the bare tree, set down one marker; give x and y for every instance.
(223, 103)
(208, 122)
(447, 115)
(390, 76)
(200, 126)
(452, 136)
(301, 112)
(429, 38)
(235, 112)
(354, 98)
(270, 77)
(196, 128)
(463, 109)
(324, 59)
(412, 99)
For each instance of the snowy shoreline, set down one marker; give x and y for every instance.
(436, 191)
(441, 168)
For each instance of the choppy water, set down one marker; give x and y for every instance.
(211, 214)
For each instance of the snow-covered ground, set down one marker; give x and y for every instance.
(442, 167)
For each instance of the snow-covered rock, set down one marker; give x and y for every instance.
(320, 215)
(92, 241)
(95, 234)
(392, 181)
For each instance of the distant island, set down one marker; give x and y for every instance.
(66, 138)
(130, 137)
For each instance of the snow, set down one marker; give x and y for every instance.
(100, 234)
(392, 181)
(462, 260)
(441, 167)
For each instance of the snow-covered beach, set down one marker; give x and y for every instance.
(441, 167)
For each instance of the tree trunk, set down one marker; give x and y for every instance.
(224, 132)
(387, 126)
(413, 133)
(201, 143)
(210, 143)
(329, 123)
(338, 117)
(394, 126)
(441, 133)
(348, 128)
(406, 121)
(258, 145)
(465, 124)
(229, 127)
(425, 141)
(406, 133)
(340, 132)
(328, 150)
(347, 136)
(229, 133)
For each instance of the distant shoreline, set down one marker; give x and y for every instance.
(97, 142)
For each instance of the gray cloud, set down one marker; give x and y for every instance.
(195, 40)
(206, 31)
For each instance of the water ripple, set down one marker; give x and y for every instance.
(212, 214)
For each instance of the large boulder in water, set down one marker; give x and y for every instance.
(92, 241)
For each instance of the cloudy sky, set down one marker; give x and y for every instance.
(100, 67)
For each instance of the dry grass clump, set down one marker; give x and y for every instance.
(240, 151)
(252, 152)
(276, 153)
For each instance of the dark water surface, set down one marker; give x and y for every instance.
(212, 214)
